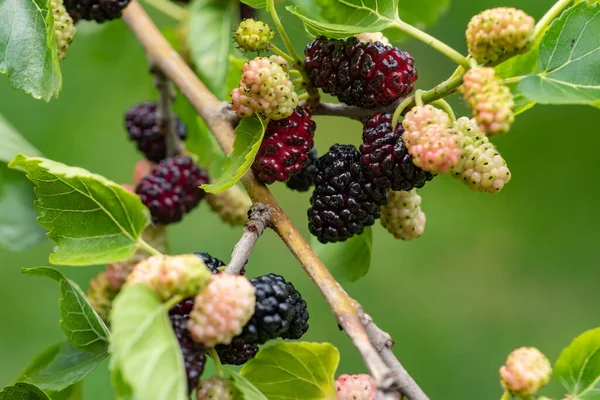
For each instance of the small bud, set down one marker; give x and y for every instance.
(251, 35)
(184, 275)
(101, 295)
(525, 372)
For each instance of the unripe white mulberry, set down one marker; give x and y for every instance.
(373, 37)
(481, 167)
(252, 35)
(525, 372)
(183, 275)
(402, 215)
(222, 309)
(355, 387)
(498, 31)
(217, 388)
(232, 205)
(64, 28)
(490, 101)
(101, 295)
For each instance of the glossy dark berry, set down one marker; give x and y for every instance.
(299, 322)
(273, 312)
(364, 74)
(95, 10)
(304, 179)
(194, 354)
(344, 200)
(143, 125)
(385, 158)
(236, 353)
(184, 307)
(285, 146)
(213, 263)
(171, 189)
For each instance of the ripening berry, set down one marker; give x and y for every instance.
(402, 215)
(232, 205)
(222, 309)
(96, 10)
(251, 35)
(430, 142)
(365, 74)
(498, 31)
(525, 372)
(490, 101)
(266, 89)
(184, 275)
(355, 387)
(481, 167)
(64, 28)
(101, 295)
(373, 37)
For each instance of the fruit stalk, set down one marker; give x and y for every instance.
(210, 109)
(166, 116)
(259, 220)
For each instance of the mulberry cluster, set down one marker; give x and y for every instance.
(430, 142)
(144, 127)
(344, 201)
(481, 166)
(385, 157)
(265, 88)
(498, 31)
(491, 101)
(365, 74)
(64, 28)
(285, 147)
(96, 10)
(402, 215)
(172, 189)
(280, 312)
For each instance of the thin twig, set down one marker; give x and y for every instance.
(259, 219)
(211, 110)
(166, 116)
(383, 344)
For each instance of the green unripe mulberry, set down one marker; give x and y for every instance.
(252, 35)
(64, 28)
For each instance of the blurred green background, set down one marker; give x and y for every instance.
(491, 273)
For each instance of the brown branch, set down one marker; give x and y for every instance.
(259, 219)
(166, 116)
(211, 110)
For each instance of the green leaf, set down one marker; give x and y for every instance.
(23, 391)
(294, 370)
(248, 136)
(68, 366)
(82, 326)
(146, 358)
(209, 40)
(343, 18)
(578, 367)
(92, 220)
(18, 227)
(348, 261)
(28, 47)
(255, 3)
(12, 142)
(249, 391)
(568, 59)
